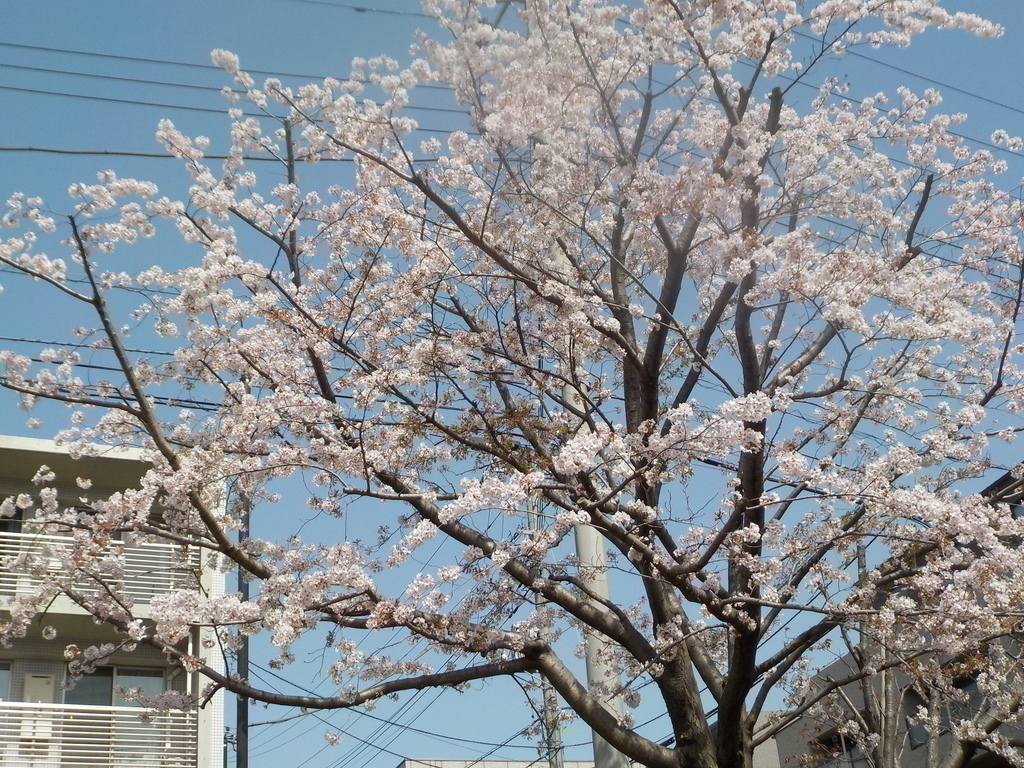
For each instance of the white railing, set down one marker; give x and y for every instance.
(61, 736)
(149, 569)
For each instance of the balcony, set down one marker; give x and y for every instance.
(149, 569)
(63, 736)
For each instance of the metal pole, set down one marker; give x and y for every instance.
(242, 706)
(593, 567)
(592, 557)
(552, 730)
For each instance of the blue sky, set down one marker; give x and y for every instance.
(314, 38)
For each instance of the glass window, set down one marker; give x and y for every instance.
(106, 685)
(5, 681)
(917, 734)
(94, 690)
(149, 681)
(12, 524)
(141, 743)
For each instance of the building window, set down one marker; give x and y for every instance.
(5, 681)
(834, 749)
(12, 524)
(950, 711)
(917, 733)
(150, 681)
(105, 686)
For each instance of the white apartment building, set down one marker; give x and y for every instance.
(44, 723)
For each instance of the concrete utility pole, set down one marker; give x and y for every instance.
(242, 707)
(590, 554)
(592, 560)
(549, 712)
(592, 557)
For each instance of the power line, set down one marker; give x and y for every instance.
(82, 346)
(484, 756)
(433, 734)
(855, 101)
(211, 67)
(131, 102)
(385, 11)
(420, 129)
(366, 743)
(148, 60)
(158, 155)
(190, 86)
(924, 78)
(117, 78)
(7, 270)
(174, 63)
(181, 107)
(356, 752)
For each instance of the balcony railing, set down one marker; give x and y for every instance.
(60, 736)
(149, 569)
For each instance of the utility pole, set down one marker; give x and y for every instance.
(592, 559)
(242, 706)
(593, 565)
(549, 712)
(592, 562)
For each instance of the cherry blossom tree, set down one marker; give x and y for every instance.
(762, 343)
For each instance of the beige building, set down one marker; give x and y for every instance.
(45, 723)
